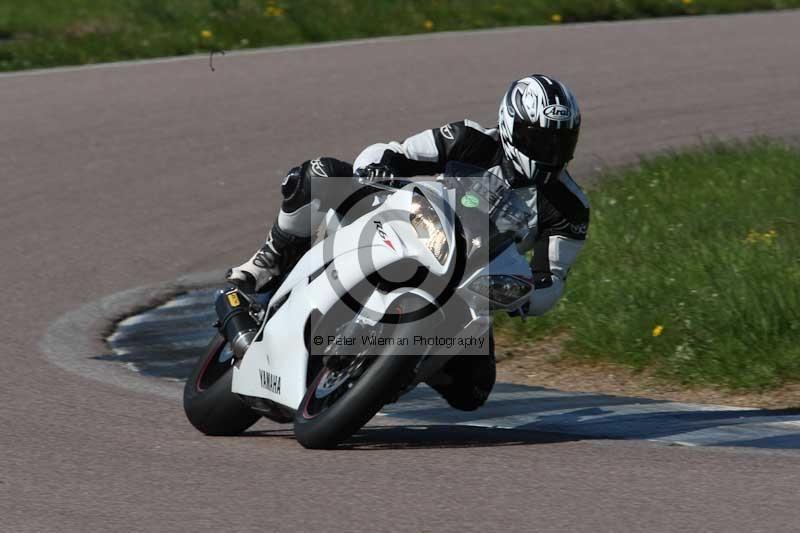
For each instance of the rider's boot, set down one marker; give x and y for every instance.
(304, 192)
(470, 379)
(270, 262)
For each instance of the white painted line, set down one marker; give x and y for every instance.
(150, 318)
(186, 301)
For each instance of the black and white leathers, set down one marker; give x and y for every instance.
(561, 209)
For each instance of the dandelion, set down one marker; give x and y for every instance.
(754, 236)
(658, 330)
(428, 25)
(274, 11)
(206, 34)
(556, 18)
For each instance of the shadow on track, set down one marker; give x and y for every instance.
(595, 416)
(413, 437)
(432, 437)
(543, 416)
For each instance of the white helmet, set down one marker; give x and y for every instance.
(539, 124)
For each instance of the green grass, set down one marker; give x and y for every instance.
(705, 245)
(43, 33)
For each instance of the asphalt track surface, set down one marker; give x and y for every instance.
(129, 175)
(164, 342)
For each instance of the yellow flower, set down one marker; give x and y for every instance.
(753, 236)
(274, 11)
(658, 330)
(556, 18)
(206, 34)
(687, 2)
(428, 25)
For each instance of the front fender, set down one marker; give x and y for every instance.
(380, 304)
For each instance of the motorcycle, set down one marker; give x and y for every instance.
(404, 278)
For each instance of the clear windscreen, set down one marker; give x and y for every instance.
(480, 192)
(486, 206)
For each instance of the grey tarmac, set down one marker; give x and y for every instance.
(135, 174)
(164, 342)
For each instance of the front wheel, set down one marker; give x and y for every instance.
(345, 396)
(208, 402)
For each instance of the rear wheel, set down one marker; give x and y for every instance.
(208, 402)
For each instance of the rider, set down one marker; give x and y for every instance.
(539, 122)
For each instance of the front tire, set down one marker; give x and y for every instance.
(340, 400)
(380, 384)
(208, 402)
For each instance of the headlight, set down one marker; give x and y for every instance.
(504, 290)
(428, 227)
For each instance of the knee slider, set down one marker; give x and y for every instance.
(302, 182)
(295, 190)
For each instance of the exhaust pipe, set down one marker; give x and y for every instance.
(235, 322)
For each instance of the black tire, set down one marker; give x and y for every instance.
(473, 378)
(387, 375)
(377, 387)
(209, 404)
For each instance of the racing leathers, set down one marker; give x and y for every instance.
(559, 206)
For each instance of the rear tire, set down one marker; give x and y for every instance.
(208, 402)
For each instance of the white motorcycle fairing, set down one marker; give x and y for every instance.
(275, 365)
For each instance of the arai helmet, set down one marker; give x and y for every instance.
(539, 123)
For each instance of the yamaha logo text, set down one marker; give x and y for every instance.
(271, 382)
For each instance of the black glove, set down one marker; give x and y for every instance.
(375, 172)
(521, 311)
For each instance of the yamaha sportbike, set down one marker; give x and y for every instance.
(404, 277)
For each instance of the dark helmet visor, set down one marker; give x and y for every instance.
(551, 146)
